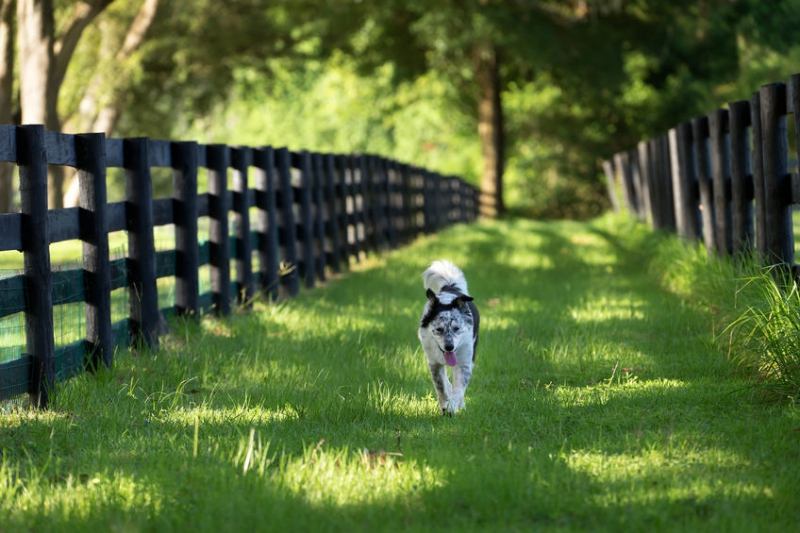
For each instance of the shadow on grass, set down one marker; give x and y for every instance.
(586, 371)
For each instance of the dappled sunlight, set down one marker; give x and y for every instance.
(347, 477)
(497, 323)
(686, 474)
(597, 398)
(300, 322)
(622, 384)
(528, 262)
(604, 308)
(79, 497)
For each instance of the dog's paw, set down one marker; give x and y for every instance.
(452, 406)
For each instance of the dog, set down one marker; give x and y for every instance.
(448, 332)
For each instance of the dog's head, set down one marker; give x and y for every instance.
(449, 320)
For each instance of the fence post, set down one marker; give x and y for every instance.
(634, 169)
(454, 194)
(684, 182)
(290, 280)
(455, 202)
(333, 194)
(741, 179)
(795, 104)
(32, 161)
(387, 168)
(372, 202)
(667, 201)
(659, 188)
(359, 205)
(317, 185)
(438, 201)
(349, 225)
(758, 177)
(777, 185)
(218, 161)
(718, 124)
(795, 109)
(609, 172)
(90, 154)
(700, 136)
(623, 162)
(406, 198)
(426, 197)
(364, 186)
(473, 204)
(141, 246)
(302, 162)
(241, 159)
(645, 179)
(185, 213)
(380, 195)
(264, 161)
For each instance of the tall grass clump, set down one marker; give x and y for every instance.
(766, 335)
(755, 311)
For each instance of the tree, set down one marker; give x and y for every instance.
(482, 45)
(585, 48)
(613, 71)
(6, 93)
(103, 98)
(170, 66)
(45, 54)
(43, 60)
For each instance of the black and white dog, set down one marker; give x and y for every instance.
(448, 332)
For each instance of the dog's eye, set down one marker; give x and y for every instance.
(456, 328)
(439, 330)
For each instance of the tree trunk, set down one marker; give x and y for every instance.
(6, 98)
(38, 93)
(490, 130)
(35, 27)
(43, 63)
(96, 117)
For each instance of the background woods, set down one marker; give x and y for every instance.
(522, 98)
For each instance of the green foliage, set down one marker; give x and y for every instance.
(598, 403)
(582, 80)
(756, 313)
(321, 107)
(768, 333)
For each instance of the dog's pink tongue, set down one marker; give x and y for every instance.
(450, 358)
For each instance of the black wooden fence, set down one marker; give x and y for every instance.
(313, 214)
(723, 178)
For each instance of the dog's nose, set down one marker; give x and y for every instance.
(449, 347)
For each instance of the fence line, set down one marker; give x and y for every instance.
(722, 178)
(314, 214)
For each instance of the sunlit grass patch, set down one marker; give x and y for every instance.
(685, 476)
(600, 402)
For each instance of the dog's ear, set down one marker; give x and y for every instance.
(431, 296)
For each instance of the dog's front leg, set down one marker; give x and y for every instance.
(461, 376)
(441, 384)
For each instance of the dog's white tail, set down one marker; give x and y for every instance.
(443, 273)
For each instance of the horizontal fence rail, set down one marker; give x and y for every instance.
(311, 215)
(723, 179)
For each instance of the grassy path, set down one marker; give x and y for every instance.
(599, 403)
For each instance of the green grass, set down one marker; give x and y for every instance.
(600, 402)
(756, 312)
(69, 321)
